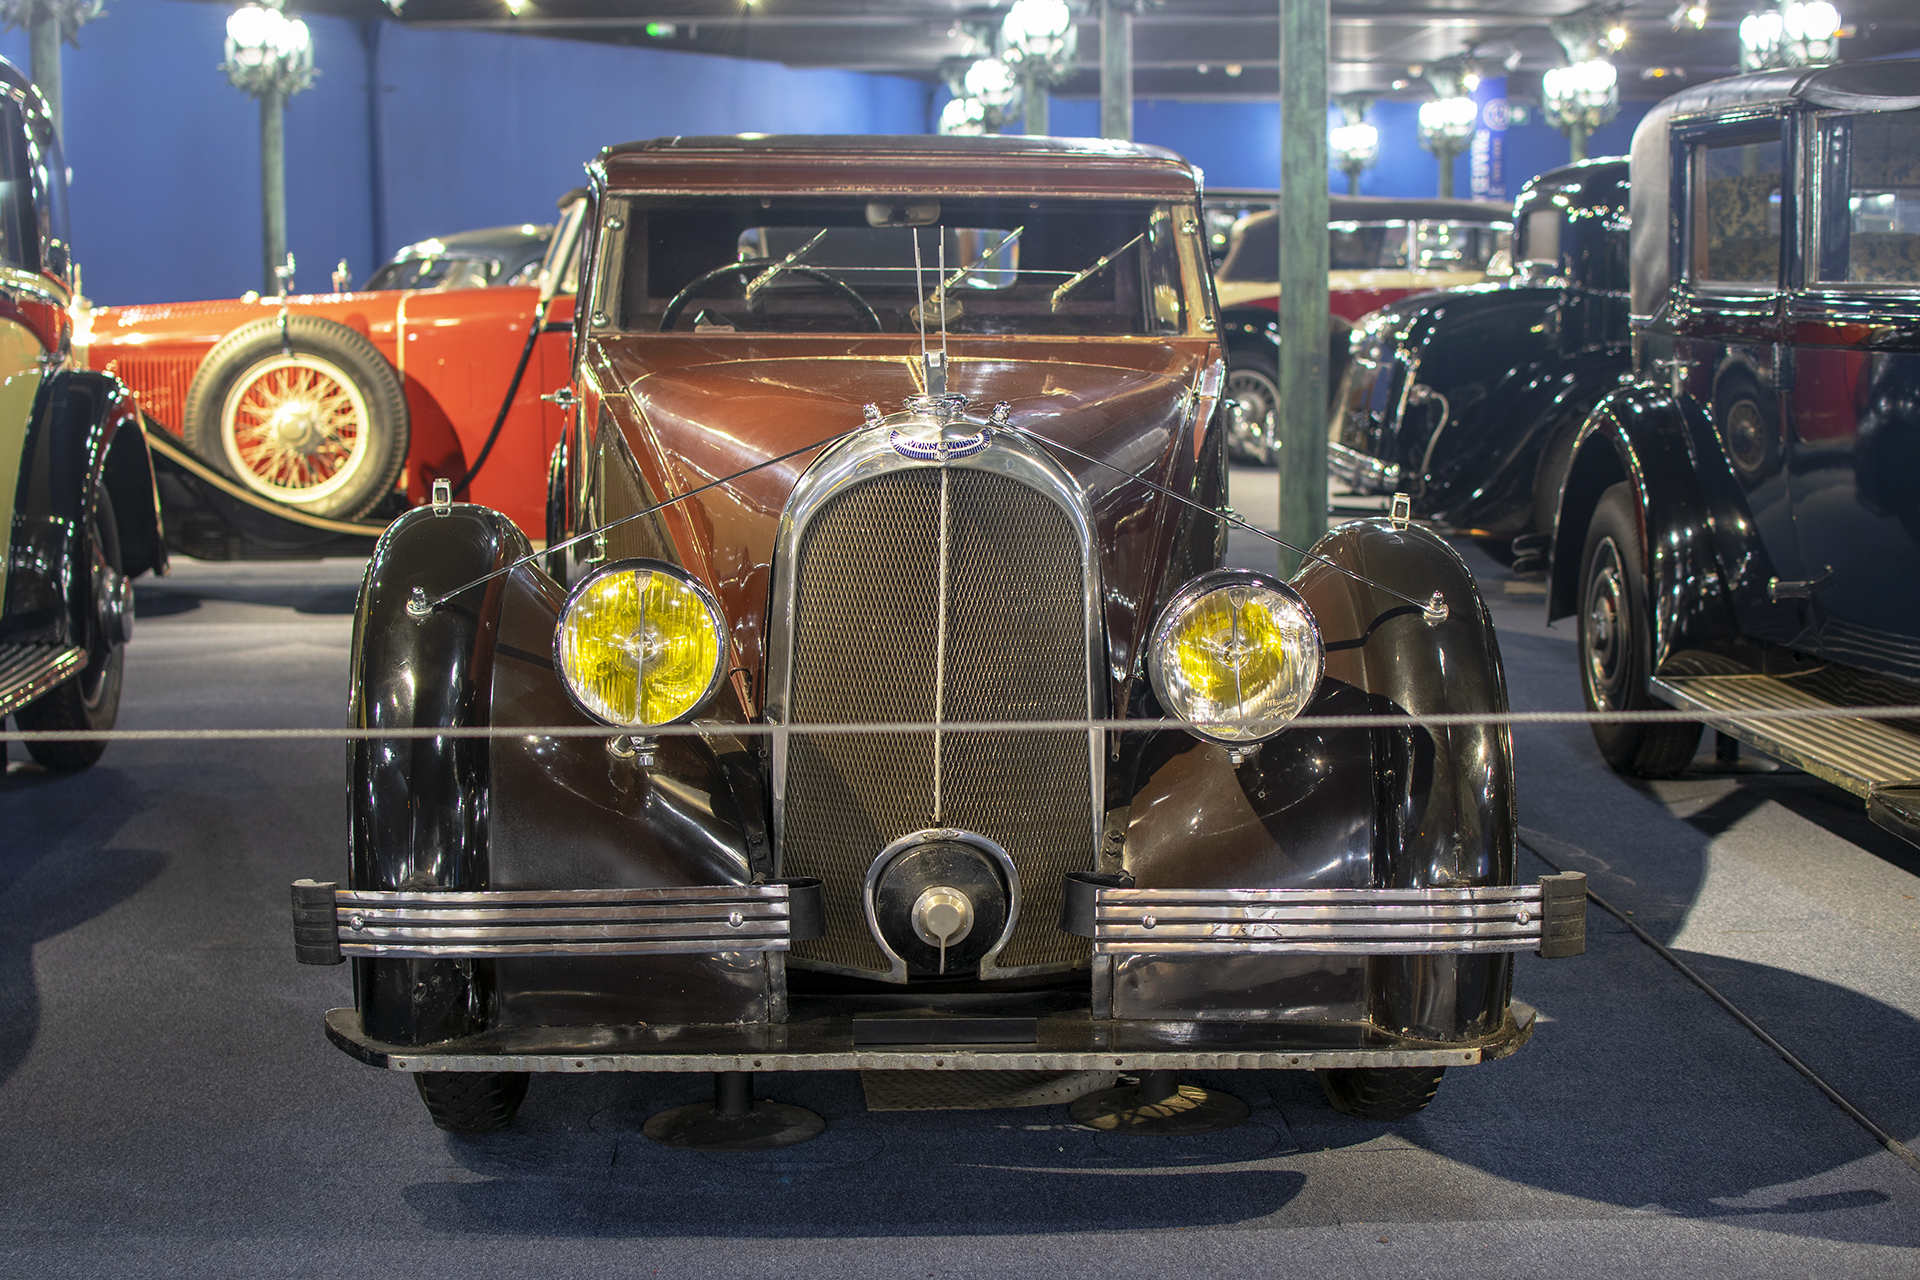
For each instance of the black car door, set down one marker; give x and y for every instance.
(1853, 398)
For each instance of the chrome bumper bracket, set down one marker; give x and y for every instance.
(331, 924)
(1548, 918)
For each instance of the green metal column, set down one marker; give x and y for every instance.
(273, 182)
(1302, 420)
(1038, 102)
(43, 48)
(1116, 69)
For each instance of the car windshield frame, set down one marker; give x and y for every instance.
(1029, 266)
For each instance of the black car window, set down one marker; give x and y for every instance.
(813, 264)
(19, 226)
(1735, 226)
(1361, 246)
(1870, 190)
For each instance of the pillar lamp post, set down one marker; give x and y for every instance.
(1793, 35)
(1579, 99)
(1355, 144)
(49, 24)
(1039, 42)
(1446, 126)
(270, 57)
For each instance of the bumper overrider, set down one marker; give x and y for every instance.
(332, 924)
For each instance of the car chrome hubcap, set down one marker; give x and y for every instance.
(1606, 638)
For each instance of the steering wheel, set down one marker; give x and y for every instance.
(839, 286)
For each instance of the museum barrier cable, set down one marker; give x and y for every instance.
(1450, 720)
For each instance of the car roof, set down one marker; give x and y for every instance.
(1891, 85)
(1390, 209)
(896, 164)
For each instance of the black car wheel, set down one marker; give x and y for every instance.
(472, 1101)
(1381, 1093)
(1616, 645)
(1253, 399)
(102, 618)
(313, 416)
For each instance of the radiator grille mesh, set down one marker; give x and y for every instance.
(161, 382)
(865, 649)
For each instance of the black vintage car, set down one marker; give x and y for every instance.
(1469, 400)
(78, 516)
(1739, 530)
(879, 700)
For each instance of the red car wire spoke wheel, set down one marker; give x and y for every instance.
(294, 428)
(314, 418)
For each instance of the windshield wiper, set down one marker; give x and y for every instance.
(953, 309)
(759, 282)
(1076, 281)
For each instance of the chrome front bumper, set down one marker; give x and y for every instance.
(331, 924)
(1361, 472)
(1548, 917)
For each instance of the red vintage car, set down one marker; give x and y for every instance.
(312, 416)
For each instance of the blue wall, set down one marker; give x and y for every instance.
(476, 129)
(1238, 143)
(479, 129)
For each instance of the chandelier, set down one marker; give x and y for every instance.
(1038, 40)
(268, 53)
(1794, 35)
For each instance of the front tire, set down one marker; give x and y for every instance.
(313, 417)
(1253, 402)
(472, 1101)
(90, 701)
(1616, 645)
(1381, 1093)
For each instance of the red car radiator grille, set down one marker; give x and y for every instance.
(161, 383)
(865, 649)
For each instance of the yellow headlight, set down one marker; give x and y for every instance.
(639, 644)
(1236, 646)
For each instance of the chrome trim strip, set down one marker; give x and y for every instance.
(870, 453)
(1326, 921)
(1363, 472)
(562, 922)
(29, 670)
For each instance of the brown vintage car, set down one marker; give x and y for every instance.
(880, 700)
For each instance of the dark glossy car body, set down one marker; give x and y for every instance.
(78, 515)
(467, 260)
(1739, 523)
(920, 566)
(1469, 400)
(1380, 249)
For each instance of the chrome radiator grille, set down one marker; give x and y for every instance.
(866, 647)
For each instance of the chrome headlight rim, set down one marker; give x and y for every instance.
(1175, 612)
(699, 589)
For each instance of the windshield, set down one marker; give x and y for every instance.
(810, 264)
(437, 273)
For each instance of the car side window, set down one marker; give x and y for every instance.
(19, 225)
(1869, 230)
(1735, 227)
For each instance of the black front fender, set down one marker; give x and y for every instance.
(85, 443)
(522, 810)
(1639, 435)
(1346, 808)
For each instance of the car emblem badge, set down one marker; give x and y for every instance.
(939, 449)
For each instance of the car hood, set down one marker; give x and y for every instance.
(712, 409)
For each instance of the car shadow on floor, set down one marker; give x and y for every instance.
(57, 872)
